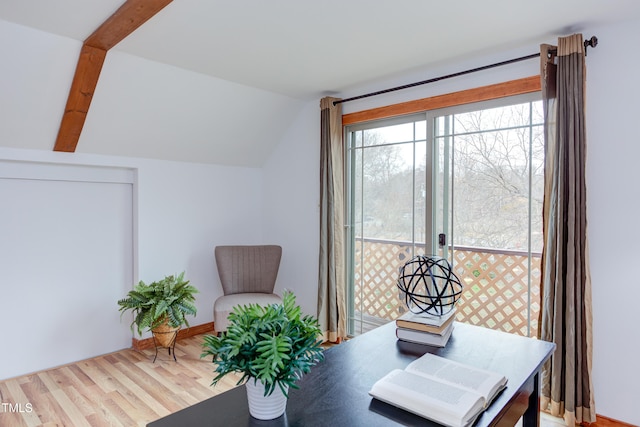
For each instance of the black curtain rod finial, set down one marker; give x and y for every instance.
(592, 42)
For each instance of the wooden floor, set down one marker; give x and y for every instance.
(120, 389)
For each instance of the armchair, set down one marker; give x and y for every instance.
(248, 275)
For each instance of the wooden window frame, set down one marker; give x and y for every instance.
(483, 93)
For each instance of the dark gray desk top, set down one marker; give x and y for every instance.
(335, 392)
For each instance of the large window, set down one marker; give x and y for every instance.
(464, 183)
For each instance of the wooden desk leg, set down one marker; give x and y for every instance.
(531, 417)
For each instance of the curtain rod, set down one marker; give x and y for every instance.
(592, 42)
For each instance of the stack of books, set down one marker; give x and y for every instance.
(425, 328)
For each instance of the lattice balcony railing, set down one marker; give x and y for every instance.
(496, 285)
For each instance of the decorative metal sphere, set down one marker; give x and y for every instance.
(429, 285)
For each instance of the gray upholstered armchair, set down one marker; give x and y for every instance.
(248, 275)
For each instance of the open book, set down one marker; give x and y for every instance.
(444, 391)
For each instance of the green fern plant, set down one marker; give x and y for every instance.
(171, 298)
(275, 344)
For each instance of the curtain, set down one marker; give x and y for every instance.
(331, 281)
(566, 317)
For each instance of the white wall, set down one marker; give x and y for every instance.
(183, 211)
(613, 200)
(36, 70)
(146, 109)
(66, 253)
(291, 206)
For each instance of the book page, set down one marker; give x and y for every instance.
(428, 398)
(484, 382)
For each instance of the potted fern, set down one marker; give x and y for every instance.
(161, 306)
(271, 346)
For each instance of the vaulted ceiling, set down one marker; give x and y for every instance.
(241, 58)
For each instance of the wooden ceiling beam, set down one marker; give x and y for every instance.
(82, 88)
(129, 17)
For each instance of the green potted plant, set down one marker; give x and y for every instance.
(161, 306)
(271, 346)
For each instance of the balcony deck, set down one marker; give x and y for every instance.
(498, 291)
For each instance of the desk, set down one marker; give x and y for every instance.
(335, 392)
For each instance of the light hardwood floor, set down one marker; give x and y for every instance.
(119, 389)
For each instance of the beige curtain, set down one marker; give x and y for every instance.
(331, 282)
(566, 317)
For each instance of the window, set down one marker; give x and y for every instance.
(464, 183)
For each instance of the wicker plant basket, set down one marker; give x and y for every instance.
(165, 335)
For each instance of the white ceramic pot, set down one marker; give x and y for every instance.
(261, 407)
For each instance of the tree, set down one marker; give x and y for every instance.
(497, 163)
(493, 162)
